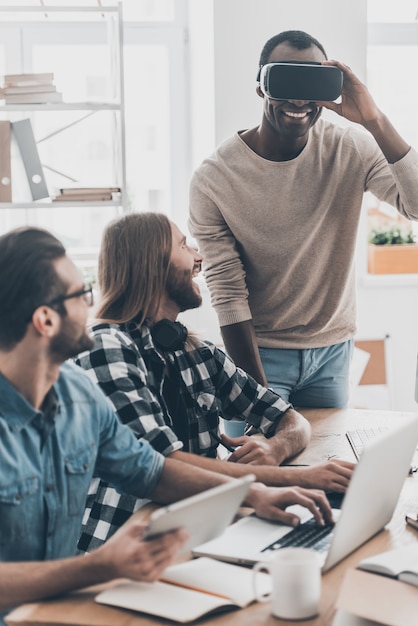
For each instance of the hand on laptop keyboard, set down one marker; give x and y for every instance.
(333, 475)
(271, 503)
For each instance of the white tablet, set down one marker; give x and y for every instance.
(205, 515)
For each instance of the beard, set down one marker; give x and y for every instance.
(69, 342)
(182, 290)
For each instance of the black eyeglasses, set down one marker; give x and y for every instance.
(86, 292)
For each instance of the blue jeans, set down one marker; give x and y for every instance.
(314, 377)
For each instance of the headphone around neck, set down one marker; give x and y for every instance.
(169, 336)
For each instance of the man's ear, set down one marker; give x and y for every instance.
(46, 321)
(259, 91)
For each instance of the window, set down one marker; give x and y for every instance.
(392, 57)
(156, 111)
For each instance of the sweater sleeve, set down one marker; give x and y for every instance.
(396, 183)
(223, 267)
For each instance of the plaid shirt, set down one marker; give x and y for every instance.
(130, 371)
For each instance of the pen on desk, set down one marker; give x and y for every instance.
(225, 445)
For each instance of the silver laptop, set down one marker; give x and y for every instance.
(368, 505)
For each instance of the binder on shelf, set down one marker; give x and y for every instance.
(5, 162)
(25, 138)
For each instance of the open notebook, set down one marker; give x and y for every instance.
(190, 590)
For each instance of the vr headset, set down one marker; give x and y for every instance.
(300, 81)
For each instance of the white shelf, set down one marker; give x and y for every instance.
(60, 13)
(50, 204)
(62, 106)
(383, 281)
(58, 9)
(112, 16)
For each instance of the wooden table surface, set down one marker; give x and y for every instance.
(328, 441)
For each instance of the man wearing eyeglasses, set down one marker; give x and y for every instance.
(57, 431)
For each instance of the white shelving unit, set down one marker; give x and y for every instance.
(46, 16)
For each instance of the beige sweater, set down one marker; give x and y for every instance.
(278, 238)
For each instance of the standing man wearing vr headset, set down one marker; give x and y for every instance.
(276, 209)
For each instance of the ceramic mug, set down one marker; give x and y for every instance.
(234, 427)
(296, 583)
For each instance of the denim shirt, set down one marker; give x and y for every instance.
(48, 461)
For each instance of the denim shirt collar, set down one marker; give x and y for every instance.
(18, 412)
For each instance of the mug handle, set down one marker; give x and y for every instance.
(259, 567)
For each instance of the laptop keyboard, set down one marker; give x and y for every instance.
(360, 437)
(307, 535)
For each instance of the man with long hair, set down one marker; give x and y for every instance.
(171, 387)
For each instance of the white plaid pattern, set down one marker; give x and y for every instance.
(127, 367)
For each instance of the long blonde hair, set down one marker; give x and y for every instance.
(133, 264)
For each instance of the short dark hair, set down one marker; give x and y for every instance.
(296, 38)
(27, 279)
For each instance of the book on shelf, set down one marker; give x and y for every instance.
(5, 162)
(40, 97)
(28, 89)
(74, 191)
(26, 80)
(190, 590)
(400, 563)
(23, 132)
(81, 197)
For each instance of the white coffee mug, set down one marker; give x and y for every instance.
(296, 583)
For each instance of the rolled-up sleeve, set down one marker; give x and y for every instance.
(243, 397)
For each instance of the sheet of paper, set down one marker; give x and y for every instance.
(168, 601)
(233, 581)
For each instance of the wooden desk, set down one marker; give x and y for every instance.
(328, 441)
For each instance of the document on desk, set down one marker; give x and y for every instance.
(188, 591)
(401, 563)
(343, 618)
(384, 600)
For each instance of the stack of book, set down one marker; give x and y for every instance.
(86, 194)
(29, 89)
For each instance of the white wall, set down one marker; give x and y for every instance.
(234, 31)
(241, 27)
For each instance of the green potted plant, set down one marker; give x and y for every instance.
(392, 250)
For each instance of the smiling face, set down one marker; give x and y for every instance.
(291, 119)
(185, 265)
